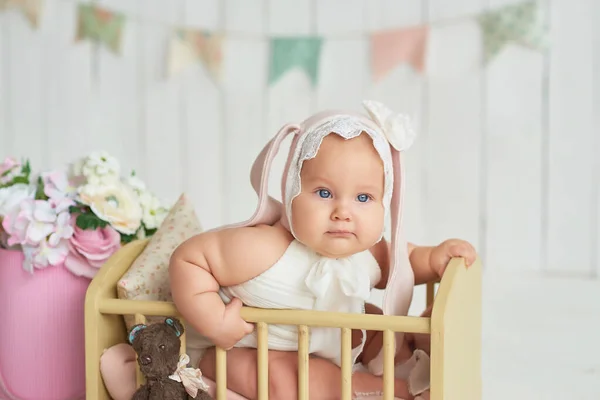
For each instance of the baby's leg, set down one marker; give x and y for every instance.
(117, 366)
(423, 340)
(412, 341)
(324, 376)
(374, 342)
(406, 352)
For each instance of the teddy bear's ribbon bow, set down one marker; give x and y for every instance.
(190, 377)
(396, 126)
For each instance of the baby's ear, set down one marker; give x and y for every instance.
(135, 331)
(176, 325)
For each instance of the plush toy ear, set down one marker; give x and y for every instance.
(176, 325)
(134, 332)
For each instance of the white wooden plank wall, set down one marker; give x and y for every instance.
(506, 158)
(512, 148)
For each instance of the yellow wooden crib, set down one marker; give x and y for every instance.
(455, 327)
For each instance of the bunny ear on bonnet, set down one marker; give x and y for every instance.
(269, 210)
(399, 289)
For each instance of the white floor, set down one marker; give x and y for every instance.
(541, 338)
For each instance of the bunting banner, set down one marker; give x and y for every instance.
(101, 26)
(191, 46)
(392, 48)
(30, 8)
(295, 52)
(516, 23)
(521, 24)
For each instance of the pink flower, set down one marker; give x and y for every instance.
(57, 185)
(9, 164)
(89, 249)
(33, 221)
(17, 223)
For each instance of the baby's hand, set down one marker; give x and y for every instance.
(233, 327)
(441, 254)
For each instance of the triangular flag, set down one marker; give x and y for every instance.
(518, 23)
(100, 25)
(30, 8)
(291, 52)
(391, 48)
(189, 46)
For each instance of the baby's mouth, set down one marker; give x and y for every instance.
(340, 233)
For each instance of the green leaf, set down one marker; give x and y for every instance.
(150, 232)
(90, 221)
(79, 208)
(128, 238)
(20, 179)
(39, 193)
(26, 168)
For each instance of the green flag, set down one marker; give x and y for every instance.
(100, 25)
(289, 52)
(517, 23)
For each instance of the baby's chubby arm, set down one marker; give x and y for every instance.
(203, 263)
(428, 262)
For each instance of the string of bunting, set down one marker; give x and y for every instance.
(520, 24)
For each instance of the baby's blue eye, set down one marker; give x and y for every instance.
(324, 193)
(363, 198)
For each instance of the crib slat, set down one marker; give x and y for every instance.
(430, 294)
(303, 362)
(183, 338)
(139, 377)
(388, 365)
(263, 361)
(221, 379)
(346, 364)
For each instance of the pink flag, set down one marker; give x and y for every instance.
(391, 48)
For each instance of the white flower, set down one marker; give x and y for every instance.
(76, 167)
(12, 196)
(45, 255)
(153, 212)
(42, 222)
(396, 127)
(136, 183)
(63, 229)
(28, 252)
(57, 185)
(100, 167)
(115, 203)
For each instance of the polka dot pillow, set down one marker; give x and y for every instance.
(148, 276)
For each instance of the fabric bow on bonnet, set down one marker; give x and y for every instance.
(396, 127)
(190, 377)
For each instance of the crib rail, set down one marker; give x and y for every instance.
(343, 321)
(281, 317)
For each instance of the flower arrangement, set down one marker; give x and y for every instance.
(75, 218)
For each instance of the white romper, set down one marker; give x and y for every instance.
(302, 279)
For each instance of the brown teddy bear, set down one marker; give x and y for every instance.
(166, 373)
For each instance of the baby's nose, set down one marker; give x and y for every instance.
(145, 360)
(341, 213)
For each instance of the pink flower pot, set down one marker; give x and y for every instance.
(42, 332)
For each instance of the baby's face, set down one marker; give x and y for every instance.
(339, 211)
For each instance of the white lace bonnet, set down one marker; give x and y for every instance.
(391, 134)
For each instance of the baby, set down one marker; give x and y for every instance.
(321, 248)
